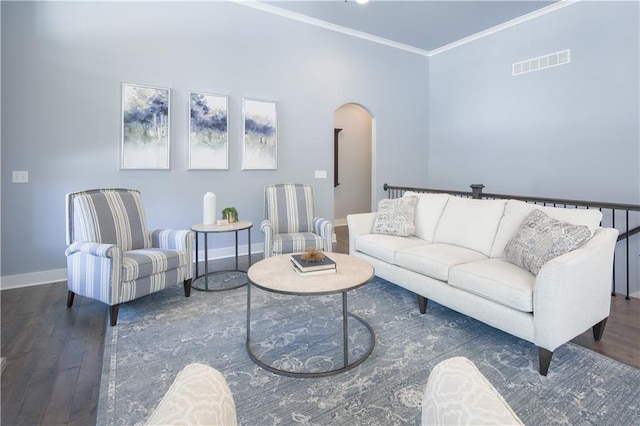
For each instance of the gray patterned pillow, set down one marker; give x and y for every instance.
(396, 217)
(541, 238)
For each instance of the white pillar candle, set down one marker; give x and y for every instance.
(209, 208)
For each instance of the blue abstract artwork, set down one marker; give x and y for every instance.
(145, 127)
(260, 145)
(208, 135)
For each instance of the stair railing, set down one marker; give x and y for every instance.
(624, 217)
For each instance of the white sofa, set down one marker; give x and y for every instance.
(457, 259)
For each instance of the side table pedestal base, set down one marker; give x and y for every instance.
(220, 281)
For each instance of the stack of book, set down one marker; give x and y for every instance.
(304, 268)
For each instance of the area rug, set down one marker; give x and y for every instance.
(158, 335)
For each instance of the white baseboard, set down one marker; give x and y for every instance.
(225, 252)
(340, 222)
(56, 275)
(33, 278)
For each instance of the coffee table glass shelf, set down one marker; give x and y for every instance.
(275, 275)
(225, 279)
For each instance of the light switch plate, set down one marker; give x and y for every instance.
(321, 174)
(20, 176)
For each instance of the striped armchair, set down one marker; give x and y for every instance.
(289, 224)
(112, 257)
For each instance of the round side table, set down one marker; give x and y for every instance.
(226, 279)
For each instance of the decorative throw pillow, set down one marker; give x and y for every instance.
(396, 217)
(540, 238)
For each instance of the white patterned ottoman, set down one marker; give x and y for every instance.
(199, 395)
(458, 394)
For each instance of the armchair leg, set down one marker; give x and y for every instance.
(70, 296)
(544, 357)
(113, 314)
(422, 303)
(598, 329)
(187, 287)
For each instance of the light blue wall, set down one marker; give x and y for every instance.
(459, 118)
(569, 132)
(62, 66)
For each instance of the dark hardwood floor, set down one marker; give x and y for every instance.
(54, 354)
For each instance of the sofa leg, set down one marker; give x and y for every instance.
(544, 357)
(598, 329)
(187, 287)
(70, 296)
(113, 314)
(422, 303)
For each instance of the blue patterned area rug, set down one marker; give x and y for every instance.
(158, 335)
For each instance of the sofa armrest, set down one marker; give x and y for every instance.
(458, 393)
(573, 291)
(198, 395)
(359, 224)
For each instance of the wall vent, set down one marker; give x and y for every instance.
(536, 64)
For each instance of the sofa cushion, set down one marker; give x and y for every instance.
(515, 211)
(428, 211)
(470, 223)
(540, 238)
(497, 280)
(384, 247)
(434, 260)
(396, 217)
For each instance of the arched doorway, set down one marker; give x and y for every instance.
(354, 161)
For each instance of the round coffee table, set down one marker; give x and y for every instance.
(276, 275)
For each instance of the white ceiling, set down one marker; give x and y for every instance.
(422, 24)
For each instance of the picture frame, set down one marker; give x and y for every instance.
(145, 127)
(208, 131)
(259, 134)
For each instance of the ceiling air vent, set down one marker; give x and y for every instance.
(542, 62)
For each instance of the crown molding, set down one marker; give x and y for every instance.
(524, 18)
(255, 4)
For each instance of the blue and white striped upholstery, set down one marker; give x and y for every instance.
(113, 257)
(289, 224)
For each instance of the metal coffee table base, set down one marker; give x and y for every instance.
(345, 342)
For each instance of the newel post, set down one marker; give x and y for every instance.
(476, 190)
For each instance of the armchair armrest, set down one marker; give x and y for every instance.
(267, 229)
(94, 249)
(573, 291)
(172, 239)
(94, 270)
(324, 228)
(359, 224)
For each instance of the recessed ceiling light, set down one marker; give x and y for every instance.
(362, 1)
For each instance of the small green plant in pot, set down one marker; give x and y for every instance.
(230, 213)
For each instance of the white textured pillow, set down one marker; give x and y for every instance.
(396, 217)
(516, 210)
(542, 238)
